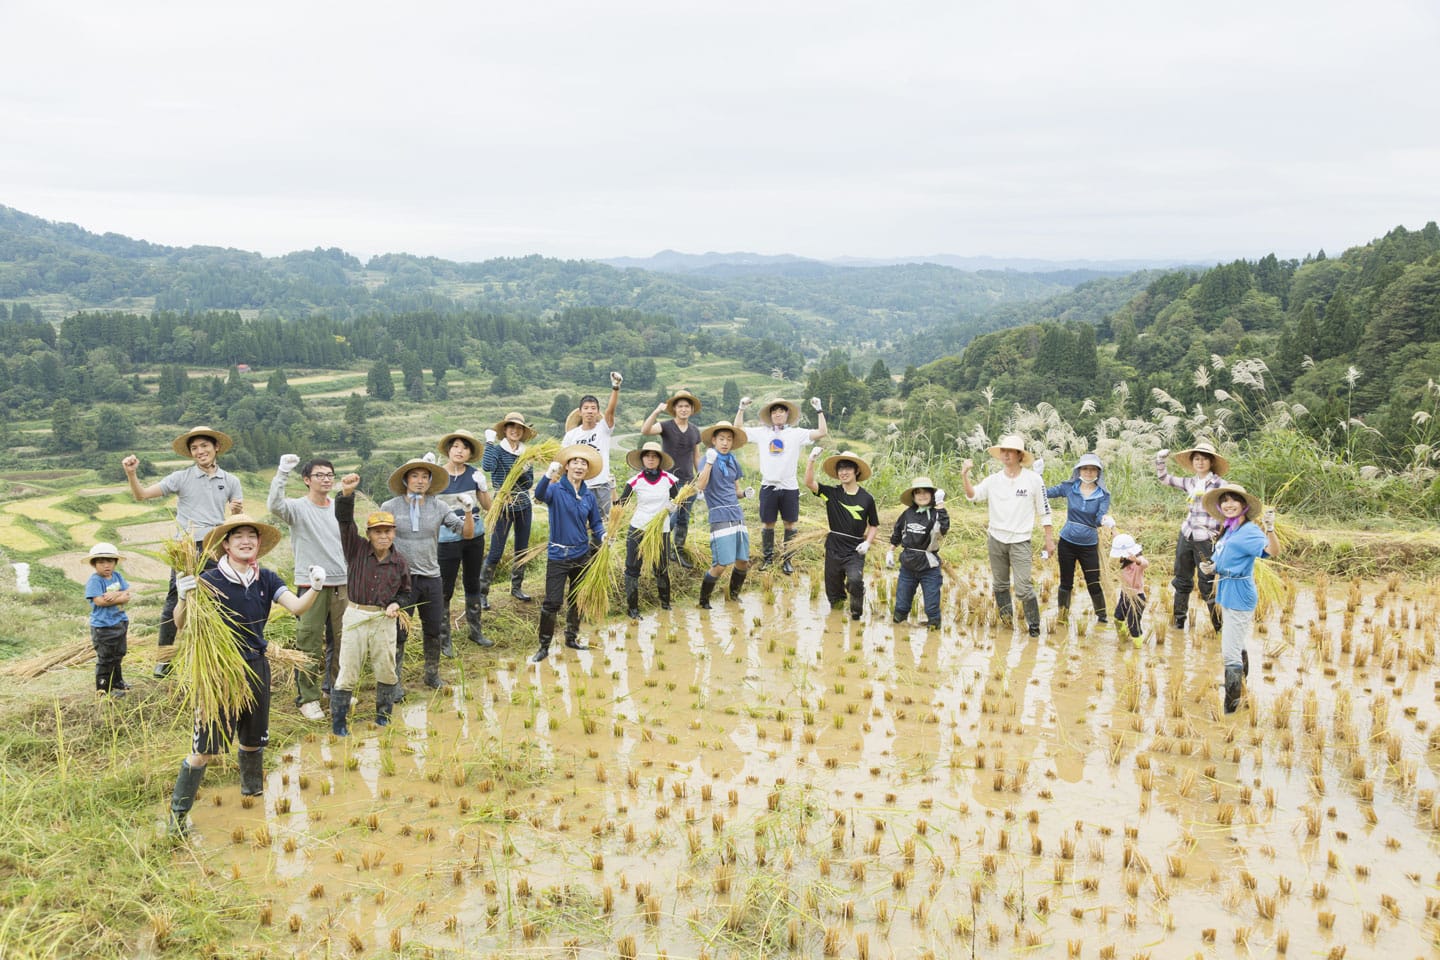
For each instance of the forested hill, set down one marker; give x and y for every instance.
(60, 269)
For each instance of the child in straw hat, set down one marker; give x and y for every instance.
(1199, 529)
(1016, 498)
(917, 533)
(108, 591)
(504, 446)
(577, 528)
(780, 441)
(1241, 543)
(654, 488)
(680, 440)
(204, 495)
(854, 522)
(245, 591)
(719, 480)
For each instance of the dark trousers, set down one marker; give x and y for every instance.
(1130, 609)
(167, 613)
(633, 564)
(110, 648)
(1069, 554)
(1189, 554)
(457, 554)
(519, 521)
(561, 576)
(430, 606)
(905, 586)
(846, 575)
(680, 523)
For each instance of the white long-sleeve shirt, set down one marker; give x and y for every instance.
(1015, 504)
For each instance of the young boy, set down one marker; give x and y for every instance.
(1199, 529)
(854, 521)
(577, 529)
(588, 426)
(917, 533)
(680, 440)
(381, 587)
(1016, 497)
(108, 592)
(780, 446)
(204, 494)
(720, 482)
(245, 592)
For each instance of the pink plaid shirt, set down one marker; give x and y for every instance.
(1198, 525)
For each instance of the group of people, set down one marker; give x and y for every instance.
(356, 588)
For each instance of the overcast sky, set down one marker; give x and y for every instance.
(587, 129)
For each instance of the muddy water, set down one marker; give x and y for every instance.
(770, 773)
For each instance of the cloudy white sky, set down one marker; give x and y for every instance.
(582, 129)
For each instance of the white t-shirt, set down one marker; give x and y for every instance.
(1014, 504)
(598, 437)
(780, 455)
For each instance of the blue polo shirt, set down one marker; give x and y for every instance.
(248, 605)
(575, 519)
(1235, 555)
(97, 585)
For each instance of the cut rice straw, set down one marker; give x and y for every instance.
(543, 451)
(652, 537)
(591, 594)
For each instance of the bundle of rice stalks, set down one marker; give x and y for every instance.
(213, 677)
(591, 594)
(1270, 590)
(542, 452)
(652, 537)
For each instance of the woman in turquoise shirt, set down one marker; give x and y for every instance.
(1241, 543)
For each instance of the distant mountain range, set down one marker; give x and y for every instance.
(673, 261)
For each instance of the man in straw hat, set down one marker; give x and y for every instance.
(245, 591)
(588, 425)
(719, 480)
(780, 444)
(380, 591)
(108, 591)
(315, 537)
(1016, 497)
(917, 533)
(577, 528)
(1241, 517)
(1199, 529)
(680, 440)
(653, 486)
(504, 445)
(419, 517)
(854, 521)
(204, 495)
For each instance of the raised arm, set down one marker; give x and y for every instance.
(130, 464)
(615, 381)
(651, 426)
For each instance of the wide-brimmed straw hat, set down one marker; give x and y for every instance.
(1124, 546)
(379, 518)
(589, 453)
(103, 551)
(636, 458)
(223, 443)
(1088, 460)
(437, 476)
(794, 409)
(1218, 464)
(519, 419)
(682, 394)
(907, 497)
(215, 539)
(1211, 501)
(471, 441)
(741, 437)
(1013, 441)
(831, 465)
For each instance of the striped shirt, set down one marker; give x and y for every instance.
(498, 461)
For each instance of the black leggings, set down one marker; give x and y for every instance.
(1070, 554)
(455, 553)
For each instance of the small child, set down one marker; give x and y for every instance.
(108, 592)
(1131, 605)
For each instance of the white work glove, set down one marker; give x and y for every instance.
(616, 379)
(288, 462)
(672, 506)
(1040, 466)
(815, 452)
(1107, 521)
(745, 403)
(1160, 455)
(483, 483)
(429, 457)
(890, 558)
(940, 497)
(317, 577)
(467, 501)
(863, 547)
(491, 436)
(1269, 519)
(553, 470)
(749, 492)
(184, 585)
(711, 455)
(1044, 554)
(815, 404)
(1207, 567)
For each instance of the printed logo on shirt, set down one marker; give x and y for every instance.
(777, 446)
(854, 509)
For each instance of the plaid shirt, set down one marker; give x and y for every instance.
(1198, 525)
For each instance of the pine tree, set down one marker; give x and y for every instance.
(380, 384)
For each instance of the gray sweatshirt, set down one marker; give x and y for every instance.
(421, 546)
(313, 532)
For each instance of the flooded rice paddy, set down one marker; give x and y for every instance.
(772, 779)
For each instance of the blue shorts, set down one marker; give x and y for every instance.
(775, 502)
(729, 545)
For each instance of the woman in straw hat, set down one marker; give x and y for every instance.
(780, 442)
(1241, 543)
(204, 496)
(719, 480)
(917, 533)
(1087, 509)
(854, 522)
(419, 516)
(245, 591)
(1016, 498)
(680, 440)
(653, 486)
(577, 529)
(504, 445)
(461, 449)
(1199, 529)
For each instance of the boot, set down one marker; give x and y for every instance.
(1234, 680)
(399, 663)
(432, 674)
(678, 550)
(252, 773)
(384, 702)
(547, 630)
(1032, 615)
(662, 584)
(575, 643)
(339, 712)
(787, 567)
(707, 587)
(472, 620)
(1215, 618)
(487, 572)
(737, 580)
(767, 540)
(447, 649)
(1063, 615)
(1002, 602)
(517, 577)
(186, 785)
(1245, 663)
(1182, 609)
(632, 597)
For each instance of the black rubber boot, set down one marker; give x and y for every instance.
(786, 567)
(339, 712)
(186, 785)
(252, 773)
(1245, 663)
(632, 597)
(662, 586)
(707, 587)
(1003, 604)
(1215, 618)
(517, 579)
(472, 620)
(1234, 682)
(737, 580)
(547, 630)
(447, 649)
(432, 673)
(574, 642)
(487, 572)
(1063, 603)
(385, 700)
(767, 542)
(1032, 615)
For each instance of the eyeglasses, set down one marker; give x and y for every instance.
(322, 476)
